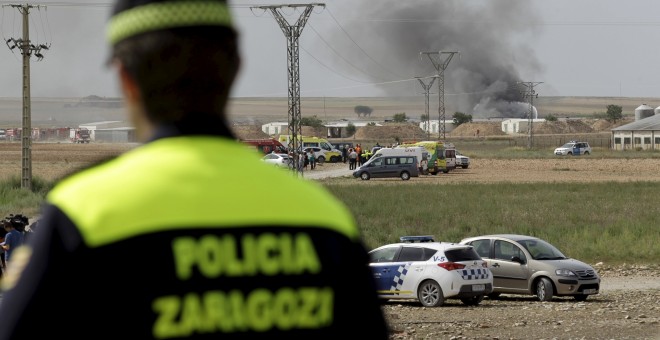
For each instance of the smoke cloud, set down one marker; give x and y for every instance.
(489, 35)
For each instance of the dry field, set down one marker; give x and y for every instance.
(63, 112)
(626, 308)
(54, 160)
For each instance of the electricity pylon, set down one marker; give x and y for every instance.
(292, 33)
(440, 61)
(427, 89)
(529, 92)
(27, 50)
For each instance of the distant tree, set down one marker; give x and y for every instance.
(400, 117)
(424, 117)
(363, 110)
(550, 118)
(350, 129)
(311, 121)
(461, 118)
(614, 113)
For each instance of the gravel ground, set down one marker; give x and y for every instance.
(560, 169)
(626, 308)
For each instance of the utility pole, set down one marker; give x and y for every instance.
(292, 33)
(440, 61)
(529, 92)
(427, 89)
(27, 49)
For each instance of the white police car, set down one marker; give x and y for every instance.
(573, 148)
(422, 269)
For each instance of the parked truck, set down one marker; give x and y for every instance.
(80, 135)
(266, 146)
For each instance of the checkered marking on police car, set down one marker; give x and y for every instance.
(474, 274)
(398, 279)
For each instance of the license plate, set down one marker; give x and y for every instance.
(589, 291)
(478, 288)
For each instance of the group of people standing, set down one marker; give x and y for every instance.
(355, 156)
(12, 236)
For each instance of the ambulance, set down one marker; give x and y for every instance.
(442, 155)
(419, 151)
(331, 153)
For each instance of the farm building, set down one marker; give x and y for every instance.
(275, 128)
(641, 134)
(434, 127)
(116, 135)
(92, 127)
(518, 125)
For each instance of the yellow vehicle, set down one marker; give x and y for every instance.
(442, 155)
(331, 154)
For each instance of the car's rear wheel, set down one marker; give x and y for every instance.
(586, 153)
(473, 301)
(580, 297)
(464, 166)
(544, 289)
(334, 159)
(405, 176)
(570, 153)
(321, 160)
(365, 176)
(430, 294)
(444, 171)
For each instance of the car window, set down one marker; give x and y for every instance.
(415, 254)
(383, 255)
(506, 250)
(377, 162)
(482, 247)
(462, 254)
(541, 250)
(390, 161)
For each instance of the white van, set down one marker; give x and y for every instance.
(419, 151)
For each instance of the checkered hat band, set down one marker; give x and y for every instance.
(164, 15)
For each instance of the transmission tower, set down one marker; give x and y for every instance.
(292, 33)
(440, 61)
(529, 92)
(27, 50)
(427, 89)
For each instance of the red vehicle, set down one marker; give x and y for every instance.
(266, 146)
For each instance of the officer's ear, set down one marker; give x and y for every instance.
(127, 83)
(133, 99)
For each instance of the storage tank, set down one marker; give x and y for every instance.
(643, 111)
(657, 110)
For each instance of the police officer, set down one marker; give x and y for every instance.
(175, 244)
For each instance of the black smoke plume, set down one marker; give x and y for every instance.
(481, 80)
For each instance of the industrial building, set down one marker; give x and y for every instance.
(642, 134)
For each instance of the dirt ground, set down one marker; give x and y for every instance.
(626, 308)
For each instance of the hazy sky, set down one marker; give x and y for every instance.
(372, 48)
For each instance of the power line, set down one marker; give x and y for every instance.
(358, 46)
(330, 69)
(338, 54)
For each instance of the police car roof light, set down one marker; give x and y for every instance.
(413, 239)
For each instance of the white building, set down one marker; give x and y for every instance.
(92, 127)
(518, 125)
(275, 128)
(643, 134)
(433, 126)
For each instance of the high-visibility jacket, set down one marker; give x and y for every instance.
(177, 239)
